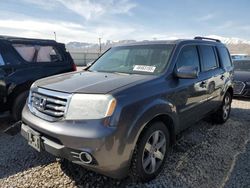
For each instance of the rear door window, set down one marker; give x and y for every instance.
(1, 60)
(188, 57)
(38, 53)
(208, 57)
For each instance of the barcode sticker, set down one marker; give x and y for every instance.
(144, 68)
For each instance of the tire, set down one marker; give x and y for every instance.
(146, 155)
(18, 105)
(223, 113)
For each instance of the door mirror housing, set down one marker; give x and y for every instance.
(188, 72)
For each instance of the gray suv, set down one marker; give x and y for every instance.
(121, 114)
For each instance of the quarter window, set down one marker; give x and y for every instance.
(208, 58)
(188, 57)
(37, 53)
(224, 57)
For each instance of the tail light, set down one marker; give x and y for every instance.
(74, 66)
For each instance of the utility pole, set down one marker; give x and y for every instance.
(100, 45)
(55, 35)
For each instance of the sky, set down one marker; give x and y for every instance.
(88, 20)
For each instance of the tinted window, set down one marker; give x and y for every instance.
(138, 59)
(36, 53)
(188, 57)
(224, 57)
(1, 60)
(208, 57)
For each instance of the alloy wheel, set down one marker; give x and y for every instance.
(154, 152)
(226, 107)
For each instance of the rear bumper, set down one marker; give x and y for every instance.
(69, 139)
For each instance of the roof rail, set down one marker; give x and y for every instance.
(206, 38)
(5, 37)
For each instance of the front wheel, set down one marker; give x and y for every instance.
(18, 105)
(150, 153)
(222, 115)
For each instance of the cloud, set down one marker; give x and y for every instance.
(66, 31)
(206, 18)
(45, 4)
(89, 9)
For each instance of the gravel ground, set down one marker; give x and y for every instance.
(206, 155)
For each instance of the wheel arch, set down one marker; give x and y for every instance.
(168, 122)
(16, 91)
(230, 90)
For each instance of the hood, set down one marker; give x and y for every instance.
(243, 76)
(89, 82)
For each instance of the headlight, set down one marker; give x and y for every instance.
(90, 106)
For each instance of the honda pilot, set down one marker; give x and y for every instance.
(120, 116)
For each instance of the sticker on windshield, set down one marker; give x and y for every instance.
(144, 68)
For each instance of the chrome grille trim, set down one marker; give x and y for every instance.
(47, 104)
(239, 87)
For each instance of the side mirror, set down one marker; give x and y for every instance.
(188, 72)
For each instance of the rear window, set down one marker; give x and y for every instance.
(208, 57)
(37, 53)
(224, 57)
(1, 60)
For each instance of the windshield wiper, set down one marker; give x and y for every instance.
(122, 73)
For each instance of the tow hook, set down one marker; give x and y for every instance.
(13, 129)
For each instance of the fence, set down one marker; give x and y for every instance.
(82, 58)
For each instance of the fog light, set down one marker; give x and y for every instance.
(85, 157)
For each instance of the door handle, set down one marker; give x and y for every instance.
(203, 84)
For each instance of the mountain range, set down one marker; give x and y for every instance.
(235, 45)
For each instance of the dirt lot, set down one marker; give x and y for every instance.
(206, 155)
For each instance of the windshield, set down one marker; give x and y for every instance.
(138, 59)
(242, 65)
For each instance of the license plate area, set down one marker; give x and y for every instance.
(34, 140)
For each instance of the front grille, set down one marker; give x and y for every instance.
(48, 104)
(238, 87)
(247, 93)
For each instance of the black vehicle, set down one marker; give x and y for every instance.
(22, 61)
(242, 78)
(121, 115)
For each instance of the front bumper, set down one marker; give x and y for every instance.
(241, 89)
(66, 139)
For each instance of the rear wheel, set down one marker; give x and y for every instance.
(18, 105)
(150, 153)
(222, 115)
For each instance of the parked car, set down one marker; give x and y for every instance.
(122, 114)
(22, 61)
(242, 78)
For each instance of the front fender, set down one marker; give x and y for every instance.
(148, 113)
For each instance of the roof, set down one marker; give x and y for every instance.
(20, 39)
(196, 40)
(147, 42)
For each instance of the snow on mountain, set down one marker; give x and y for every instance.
(229, 40)
(235, 45)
